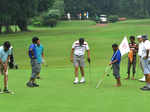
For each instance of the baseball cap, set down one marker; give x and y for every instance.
(139, 36)
(145, 37)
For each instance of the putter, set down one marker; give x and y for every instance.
(103, 77)
(90, 72)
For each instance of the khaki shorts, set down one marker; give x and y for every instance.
(2, 70)
(78, 61)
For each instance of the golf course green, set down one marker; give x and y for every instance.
(57, 93)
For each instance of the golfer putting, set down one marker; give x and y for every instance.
(77, 58)
(5, 53)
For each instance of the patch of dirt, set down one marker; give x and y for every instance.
(102, 25)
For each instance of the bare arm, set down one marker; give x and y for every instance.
(71, 55)
(88, 53)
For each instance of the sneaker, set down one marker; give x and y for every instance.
(29, 84)
(35, 85)
(142, 79)
(76, 81)
(7, 91)
(145, 88)
(1, 91)
(82, 80)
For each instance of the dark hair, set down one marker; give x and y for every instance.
(35, 39)
(132, 37)
(81, 41)
(7, 44)
(115, 45)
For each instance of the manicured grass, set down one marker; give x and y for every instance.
(56, 92)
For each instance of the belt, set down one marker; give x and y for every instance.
(78, 55)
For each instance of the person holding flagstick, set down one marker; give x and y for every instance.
(115, 62)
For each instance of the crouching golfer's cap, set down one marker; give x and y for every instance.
(145, 37)
(81, 41)
(139, 36)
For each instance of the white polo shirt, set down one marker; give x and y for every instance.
(4, 55)
(146, 46)
(140, 49)
(80, 50)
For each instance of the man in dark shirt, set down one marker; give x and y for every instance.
(132, 57)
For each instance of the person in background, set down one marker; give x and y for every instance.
(146, 62)
(132, 57)
(140, 48)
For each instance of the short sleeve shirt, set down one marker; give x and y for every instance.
(146, 46)
(32, 48)
(39, 50)
(4, 55)
(80, 50)
(140, 49)
(116, 56)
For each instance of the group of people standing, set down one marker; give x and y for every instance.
(143, 51)
(36, 54)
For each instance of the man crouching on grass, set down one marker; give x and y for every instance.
(115, 62)
(5, 53)
(77, 57)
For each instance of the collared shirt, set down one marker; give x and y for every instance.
(133, 47)
(116, 56)
(4, 55)
(146, 46)
(140, 49)
(39, 50)
(32, 48)
(80, 50)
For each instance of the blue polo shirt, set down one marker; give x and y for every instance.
(32, 48)
(117, 56)
(39, 50)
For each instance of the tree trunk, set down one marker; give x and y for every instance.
(22, 24)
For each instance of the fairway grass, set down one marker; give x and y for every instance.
(57, 93)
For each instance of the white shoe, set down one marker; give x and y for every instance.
(82, 80)
(76, 81)
(142, 79)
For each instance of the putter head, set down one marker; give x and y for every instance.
(108, 75)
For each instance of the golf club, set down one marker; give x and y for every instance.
(106, 72)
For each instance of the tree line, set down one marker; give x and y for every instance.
(18, 12)
(123, 8)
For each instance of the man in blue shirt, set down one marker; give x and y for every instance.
(34, 63)
(40, 55)
(115, 62)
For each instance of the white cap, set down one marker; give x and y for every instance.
(139, 36)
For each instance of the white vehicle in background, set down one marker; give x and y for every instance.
(103, 19)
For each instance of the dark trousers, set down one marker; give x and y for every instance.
(133, 64)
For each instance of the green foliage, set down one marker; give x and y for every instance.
(20, 11)
(113, 18)
(124, 8)
(49, 22)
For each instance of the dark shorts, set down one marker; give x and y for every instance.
(116, 70)
(36, 67)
